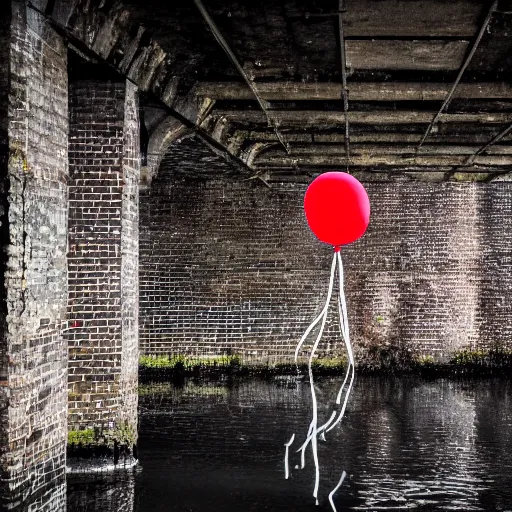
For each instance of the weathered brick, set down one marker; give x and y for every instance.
(103, 255)
(34, 171)
(230, 266)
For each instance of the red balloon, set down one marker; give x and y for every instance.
(337, 208)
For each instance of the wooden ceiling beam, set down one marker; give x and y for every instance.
(316, 160)
(381, 149)
(488, 147)
(466, 63)
(232, 57)
(398, 18)
(370, 137)
(357, 91)
(405, 55)
(317, 118)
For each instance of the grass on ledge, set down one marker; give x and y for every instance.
(385, 360)
(181, 362)
(81, 437)
(495, 358)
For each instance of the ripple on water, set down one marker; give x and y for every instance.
(404, 443)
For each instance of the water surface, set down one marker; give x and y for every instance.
(405, 443)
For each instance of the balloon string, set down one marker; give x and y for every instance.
(342, 311)
(314, 420)
(286, 467)
(322, 313)
(314, 430)
(343, 324)
(331, 494)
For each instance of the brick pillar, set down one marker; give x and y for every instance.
(103, 265)
(33, 291)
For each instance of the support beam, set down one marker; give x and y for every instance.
(314, 118)
(448, 99)
(434, 55)
(102, 260)
(34, 176)
(232, 57)
(381, 149)
(357, 91)
(486, 148)
(202, 134)
(361, 138)
(265, 161)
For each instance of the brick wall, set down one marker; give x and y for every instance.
(130, 259)
(34, 197)
(5, 17)
(230, 266)
(102, 262)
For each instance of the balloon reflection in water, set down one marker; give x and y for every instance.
(338, 212)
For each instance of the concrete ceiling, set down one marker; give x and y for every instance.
(401, 60)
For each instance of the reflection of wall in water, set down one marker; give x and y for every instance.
(401, 439)
(418, 439)
(50, 498)
(101, 492)
(494, 437)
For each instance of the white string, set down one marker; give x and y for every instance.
(314, 421)
(343, 324)
(286, 467)
(331, 494)
(314, 430)
(306, 334)
(303, 448)
(342, 310)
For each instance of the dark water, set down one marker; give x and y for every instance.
(404, 444)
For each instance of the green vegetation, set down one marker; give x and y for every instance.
(465, 357)
(153, 365)
(181, 362)
(388, 358)
(123, 434)
(498, 357)
(425, 360)
(83, 437)
(330, 362)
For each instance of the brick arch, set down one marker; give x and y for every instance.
(107, 28)
(161, 138)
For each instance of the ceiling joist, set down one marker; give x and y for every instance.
(470, 55)
(344, 91)
(316, 118)
(365, 160)
(357, 91)
(223, 43)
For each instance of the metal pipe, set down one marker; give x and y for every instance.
(461, 72)
(486, 146)
(232, 57)
(202, 134)
(494, 175)
(493, 141)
